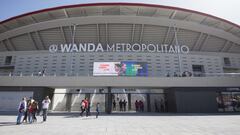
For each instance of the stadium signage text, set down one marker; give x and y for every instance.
(118, 47)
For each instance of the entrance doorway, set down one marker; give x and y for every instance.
(112, 100)
(138, 100)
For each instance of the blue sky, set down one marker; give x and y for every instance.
(226, 9)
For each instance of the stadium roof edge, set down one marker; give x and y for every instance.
(115, 4)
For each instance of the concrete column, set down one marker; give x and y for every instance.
(129, 101)
(148, 103)
(68, 102)
(87, 95)
(109, 100)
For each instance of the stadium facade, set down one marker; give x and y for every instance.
(171, 59)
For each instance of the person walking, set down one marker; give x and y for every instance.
(34, 111)
(82, 107)
(97, 109)
(21, 109)
(30, 110)
(114, 105)
(45, 105)
(121, 105)
(26, 112)
(43, 72)
(137, 105)
(85, 107)
(86, 104)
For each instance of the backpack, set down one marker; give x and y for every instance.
(83, 105)
(21, 107)
(34, 106)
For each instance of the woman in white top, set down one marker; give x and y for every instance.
(45, 105)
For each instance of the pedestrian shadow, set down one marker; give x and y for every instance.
(72, 116)
(7, 124)
(81, 117)
(88, 118)
(2, 124)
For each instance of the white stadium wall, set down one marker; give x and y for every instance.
(207, 47)
(81, 64)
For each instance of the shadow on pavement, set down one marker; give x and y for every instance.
(8, 113)
(3, 124)
(77, 114)
(7, 124)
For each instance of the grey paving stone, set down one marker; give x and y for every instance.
(125, 125)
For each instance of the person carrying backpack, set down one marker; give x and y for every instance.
(21, 109)
(82, 107)
(34, 110)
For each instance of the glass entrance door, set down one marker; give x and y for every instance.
(138, 100)
(134, 100)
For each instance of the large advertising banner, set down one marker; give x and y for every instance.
(105, 69)
(124, 68)
(132, 68)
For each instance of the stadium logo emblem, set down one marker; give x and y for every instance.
(53, 48)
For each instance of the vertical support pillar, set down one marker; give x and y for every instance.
(87, 95)
(69, 102)
(109, 101)
(129, 101)
(148, 103)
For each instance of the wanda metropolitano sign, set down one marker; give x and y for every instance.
(118, 47)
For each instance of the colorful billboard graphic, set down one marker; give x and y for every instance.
(125, 68)
(105, 69)
(132, 68)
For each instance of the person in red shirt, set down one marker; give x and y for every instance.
(82, 107)
(86, 102)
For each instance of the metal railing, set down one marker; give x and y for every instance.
(149, 75)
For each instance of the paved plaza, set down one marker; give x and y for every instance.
(125, 124)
